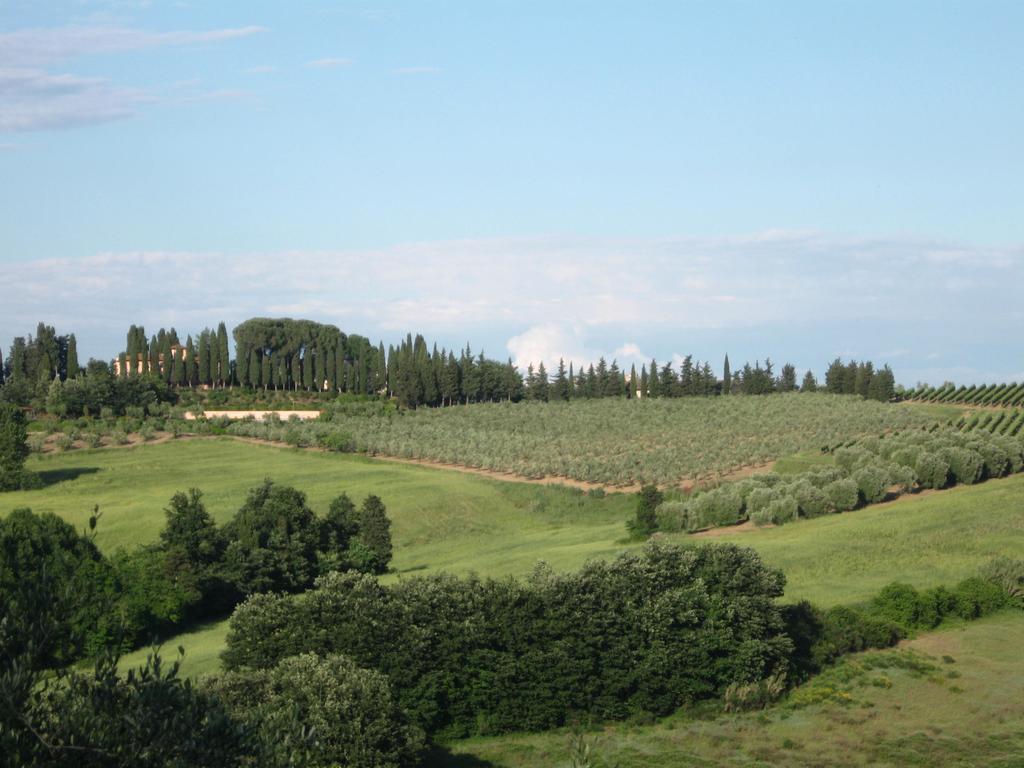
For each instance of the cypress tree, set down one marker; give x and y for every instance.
(204, 357)
(653, 383)
(153, 363)
(307, 370)
(631, 389)
(561, 386)
(375, 532)
(643, 382)
(726, 377)
(267, 370)
(223, 354)
(810, 383)
(72, 364)
(191, 371)
(255, 368)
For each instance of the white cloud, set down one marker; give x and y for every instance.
(328, 63)
(574, 298)
(31, 99)
(416, 70)
(37, 47)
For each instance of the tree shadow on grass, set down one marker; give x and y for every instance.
(50, 477)
(440, 757)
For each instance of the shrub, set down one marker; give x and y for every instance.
(672, 516)
(964, 464)
(332, 440)
(843, 494)
(848, 630)
(872, 483)
(713, 508)
(904, 605)
(759, 502)
(782, 509)
(995, 459)
(975, 597)
(647, 500)
(644, 633)
(902, 476)
(813, 501)
(849, 459)
(906, 456)
(351, 712)
(1008, 574)
(932, 470)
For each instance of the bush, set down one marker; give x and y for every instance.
(714, 508)
(646, 522)
(782, 510)
(13, 447)
(336, 441)
(759, 503)
(843, 494)
(872, 483)
(849, 459)
(964, 464)
(932, 471)
(976, 597)
(672, 516)
(1008, 574)
(644, 633)
(351, 712)
(812, 501)
(905, 606)
(848, 630)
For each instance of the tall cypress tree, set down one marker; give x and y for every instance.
(653, 383)
(267, 371)
(223, 354)
(204, 357)
(191, 370)
(72, 364)
(726, 377)
(561, 385)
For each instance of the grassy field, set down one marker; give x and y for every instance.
(935, 537)
(453, 521)
(957, 700)
(440, 520)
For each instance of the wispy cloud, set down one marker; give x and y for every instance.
(416, 70)
(38, 47)
(577, 298)
(33, 98)
(328, 63)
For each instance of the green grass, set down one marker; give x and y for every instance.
(803, 462)
(928, 539)
(445, 520)
(440, 520)
(963, 706)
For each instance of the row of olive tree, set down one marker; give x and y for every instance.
(867, 472)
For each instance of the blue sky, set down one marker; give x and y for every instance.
(800, 180)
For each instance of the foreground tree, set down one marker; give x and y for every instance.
(13, 447)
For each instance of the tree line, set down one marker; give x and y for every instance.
(283, 354)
